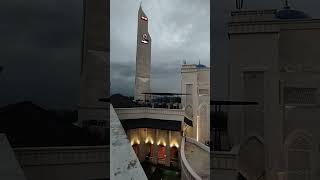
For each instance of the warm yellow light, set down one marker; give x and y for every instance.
(138, 141)
(174, 145)
(131, 143)
(151, 142)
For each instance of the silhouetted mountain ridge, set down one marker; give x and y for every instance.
(27, 124)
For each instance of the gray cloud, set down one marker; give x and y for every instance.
(40, 52)
(41, 39)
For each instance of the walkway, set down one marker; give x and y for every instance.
(198, 159)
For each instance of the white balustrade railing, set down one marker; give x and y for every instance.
(226, 160)
(202, 146)
(146, 112)
(29, 156)
(186, 170)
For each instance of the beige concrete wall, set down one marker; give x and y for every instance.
(199, 78)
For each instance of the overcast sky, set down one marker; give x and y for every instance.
(41, 40)
(40, 51)
(179, 29)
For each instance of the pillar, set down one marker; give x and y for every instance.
(168, 149)
(142, 146)
(155, 148)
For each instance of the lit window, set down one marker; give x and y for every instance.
(145, 39)
(144, 18)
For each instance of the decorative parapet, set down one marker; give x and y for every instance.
(31, 156)
(192, 68)
(155, 113)
(254, 15)
(253, 28)
(125, 164)
(226, 160)
(186, 169)
(202, 146)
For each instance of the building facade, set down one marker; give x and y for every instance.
(274, 62)
(195, 83)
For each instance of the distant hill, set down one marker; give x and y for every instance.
(120, 101)
(29, 125)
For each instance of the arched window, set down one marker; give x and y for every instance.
(150, 150)
(161, 152)
(136, 148)
(173, 153)
(252, 158)
(298, 155)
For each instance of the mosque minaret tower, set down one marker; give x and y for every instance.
(143, 58)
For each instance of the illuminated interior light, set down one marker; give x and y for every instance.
(144, 18)
(138, 141)
(145, 41)
(131, 143)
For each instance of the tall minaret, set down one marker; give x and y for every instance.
(143, 58)
(95, 62)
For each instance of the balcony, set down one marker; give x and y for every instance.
(195, 160)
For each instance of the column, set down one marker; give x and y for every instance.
(142, 147)
(168, 149)
(155, 148)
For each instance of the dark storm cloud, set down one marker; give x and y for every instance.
(40, 52)
(179, 30)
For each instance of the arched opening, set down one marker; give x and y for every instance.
(174, 156)
(149, 151)
(252, 159)
(298, 156)
(136, 148)
(161, 153)
(241, 177)
(174, 153)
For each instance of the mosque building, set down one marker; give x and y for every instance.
(166, 128)
(273, 62)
